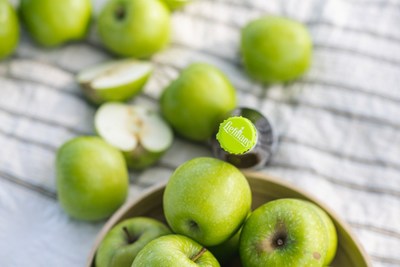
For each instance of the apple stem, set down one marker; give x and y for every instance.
(130, 238)
(198, 255)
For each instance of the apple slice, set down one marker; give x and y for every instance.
(117, 80)
(140, 133)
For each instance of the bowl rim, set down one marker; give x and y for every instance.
(253, 174)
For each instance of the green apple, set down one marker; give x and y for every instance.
(136, 28)
(140, 133)
(207, 200)
(332, 235)
(121, 245)
(9, 29)
(52, 23)
(117, 80)
(275, 49)
(196, 102)
(284, 232)
(172, 251)
(92, 178)
(227, 251)
(176, 4)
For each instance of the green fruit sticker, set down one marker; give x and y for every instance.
(237, 135)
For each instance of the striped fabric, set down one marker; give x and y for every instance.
(338, 125)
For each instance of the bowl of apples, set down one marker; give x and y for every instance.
(210, 213)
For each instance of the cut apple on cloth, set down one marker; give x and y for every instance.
(117, 80)
(140, 133)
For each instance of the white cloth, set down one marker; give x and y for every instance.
(339, 124)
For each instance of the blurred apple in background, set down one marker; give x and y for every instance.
(52, 23)
(9, 29)
(136, 28)
(176, 4)
(275, 49)
(196, 102)
(92, 178)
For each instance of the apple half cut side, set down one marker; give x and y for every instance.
(117, 80)
(140, 133)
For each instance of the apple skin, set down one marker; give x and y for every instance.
(92, 178)
(196, 102)
(136, 28)
(207, 200)
(140, 158)
(116, 250)
(332, 234)
(227, 251)
(176, 4)
(9, 30)
(172, 251)
(291, 221)
(275, 49)
(52, 23)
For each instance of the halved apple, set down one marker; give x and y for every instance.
(117, 80)
(140, 133)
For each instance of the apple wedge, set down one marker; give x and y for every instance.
(117, 80)
(140, 133)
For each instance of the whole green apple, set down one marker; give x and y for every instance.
(136, 28)
(173, 251)
(196, 102)
(121, 245)
(284, 232)
(332, 235)
(9, 29)
(52, 23)
(275, 49)
(207, 200)
(92, 178)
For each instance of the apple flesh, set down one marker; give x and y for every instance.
(284, 232)
(134, 28)
(121, 245)
(207, 200)
(140, 133)
(172, 251)
(9, 29)
(92, 178)
(52, 23)
(118, 80)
